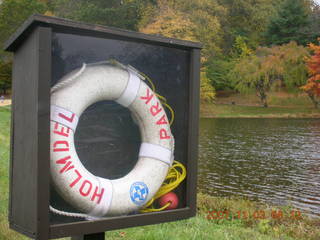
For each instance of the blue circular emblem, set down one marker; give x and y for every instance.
(139, 193)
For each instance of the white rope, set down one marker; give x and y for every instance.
(69, 80)
(75, 76)
(69, 214)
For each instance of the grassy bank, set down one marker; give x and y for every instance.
(203, 226)
(4, 165)
(281, 105)
(275, 99)
(235, 111)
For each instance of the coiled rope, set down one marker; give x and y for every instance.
(177, 173)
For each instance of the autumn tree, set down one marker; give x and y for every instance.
(207, 91)
(312, 88)
(251, 74)
(206, 16)
(196, 20)
(218, 68)
(242, 25)
(291, 61)
(171, 23)
(260, 71)
(241, 47)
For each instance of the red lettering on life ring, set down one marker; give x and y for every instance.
(96, 194)
(57, 143)
(154, 111)
(86, 186)
(69, 119)
(66, 163)
(148, 97)
(62, 131)
(162, 120)
(82, 190)
(164, 134)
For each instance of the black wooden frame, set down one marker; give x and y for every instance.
(31, 45)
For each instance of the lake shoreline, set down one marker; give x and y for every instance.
(263, 117)
(211, 110)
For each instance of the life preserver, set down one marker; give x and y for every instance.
(91, 194)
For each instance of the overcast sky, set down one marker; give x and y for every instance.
(318, 1)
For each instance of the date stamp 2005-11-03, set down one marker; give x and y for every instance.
(258, 214)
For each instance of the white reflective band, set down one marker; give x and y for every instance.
(101, 208)
(64, 117)
(131, 91)
(156, 151)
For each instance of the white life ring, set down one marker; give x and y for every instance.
(88, 193)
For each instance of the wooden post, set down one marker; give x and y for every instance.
(94, 236)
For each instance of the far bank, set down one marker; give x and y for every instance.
(281, 105)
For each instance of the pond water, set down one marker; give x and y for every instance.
(272, 160)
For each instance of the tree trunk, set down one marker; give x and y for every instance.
(265, 104)
(314, 100)
(261, 90)
(263, 98)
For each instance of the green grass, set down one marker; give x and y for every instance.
(290, 100)
(275, 99)
(281, 105)
(4, 174)
(198, 227)
(236, 111)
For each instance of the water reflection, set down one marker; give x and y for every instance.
(273, 160)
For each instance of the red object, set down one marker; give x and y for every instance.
(169, 197)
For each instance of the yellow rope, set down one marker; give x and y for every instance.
(150, 82)
(162, 98)
(175, 176)
(171, 111)
(145, 210)
(177, 173)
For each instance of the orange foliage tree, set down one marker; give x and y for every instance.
(261, 71)
(312, 88)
